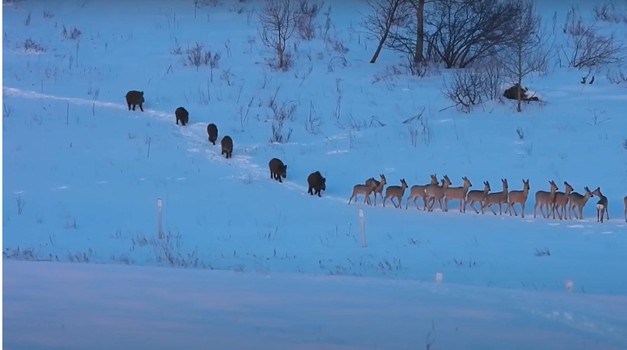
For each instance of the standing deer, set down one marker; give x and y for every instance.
(395, 192)
(547, 199)
(519, 197)
(458, 193)
(435, 192)
(579, 201)
(378, 188)
(499, 198)
(362, 189)
(601, 205)
(419, 191)
(561, 201)
(478, 196)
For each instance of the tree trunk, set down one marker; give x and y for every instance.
(420, 32)
(519, 101)
(379, 47)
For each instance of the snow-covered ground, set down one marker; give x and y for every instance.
(244, 260)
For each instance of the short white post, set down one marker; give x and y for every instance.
(569, 285)
(159, 218)
(362, 222)
(439, 277)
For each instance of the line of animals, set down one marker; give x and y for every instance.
(278, 170)
(562, 204)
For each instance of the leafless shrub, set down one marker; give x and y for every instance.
(609, 12)
(335, 62)
(27, 20)
(616, 76)
(48, 14)
(586, 47)
(20, 254)
(280, 115)
(492, 71)
(30, 46)
(313, 122)
(278, 22)
(335, 45)
(306, 13)
(197, 57)
(20, 204)
(423, 129)
(71, 34)
(70, 223)
(244, 113)
(467, 90)
(7, 110)
(465, 31)
(542, 252)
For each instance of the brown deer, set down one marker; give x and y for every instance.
(395, 192)
(519, 197)
(477, 196)
(499, 198)
(460, 193)
(544, 198)
(362, 189)
(602, 209)
(436, 193)
(579, 201)
(379, 185)
(419, 191)
(561, 201)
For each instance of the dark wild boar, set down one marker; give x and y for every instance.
(212, 131)
(278, 170)
(227, 146)
(134, 98)
(181, 115)
(316, 183)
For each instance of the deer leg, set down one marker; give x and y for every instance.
(472, 204)
(607, 211)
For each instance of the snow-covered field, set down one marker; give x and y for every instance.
(82, 176)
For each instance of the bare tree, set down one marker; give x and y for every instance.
(383, 15)
(409, 38)
(467, 30)
(306, 13)
(526, 53)
(278, 22)
(587, 47)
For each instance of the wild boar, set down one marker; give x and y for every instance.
(316, 183)
(181, 115)
(278, 170)
(212, 131)
(227, 146)
(134, 98)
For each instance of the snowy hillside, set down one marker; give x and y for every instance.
(82, 175)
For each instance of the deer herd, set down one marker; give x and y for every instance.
(553, 203)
